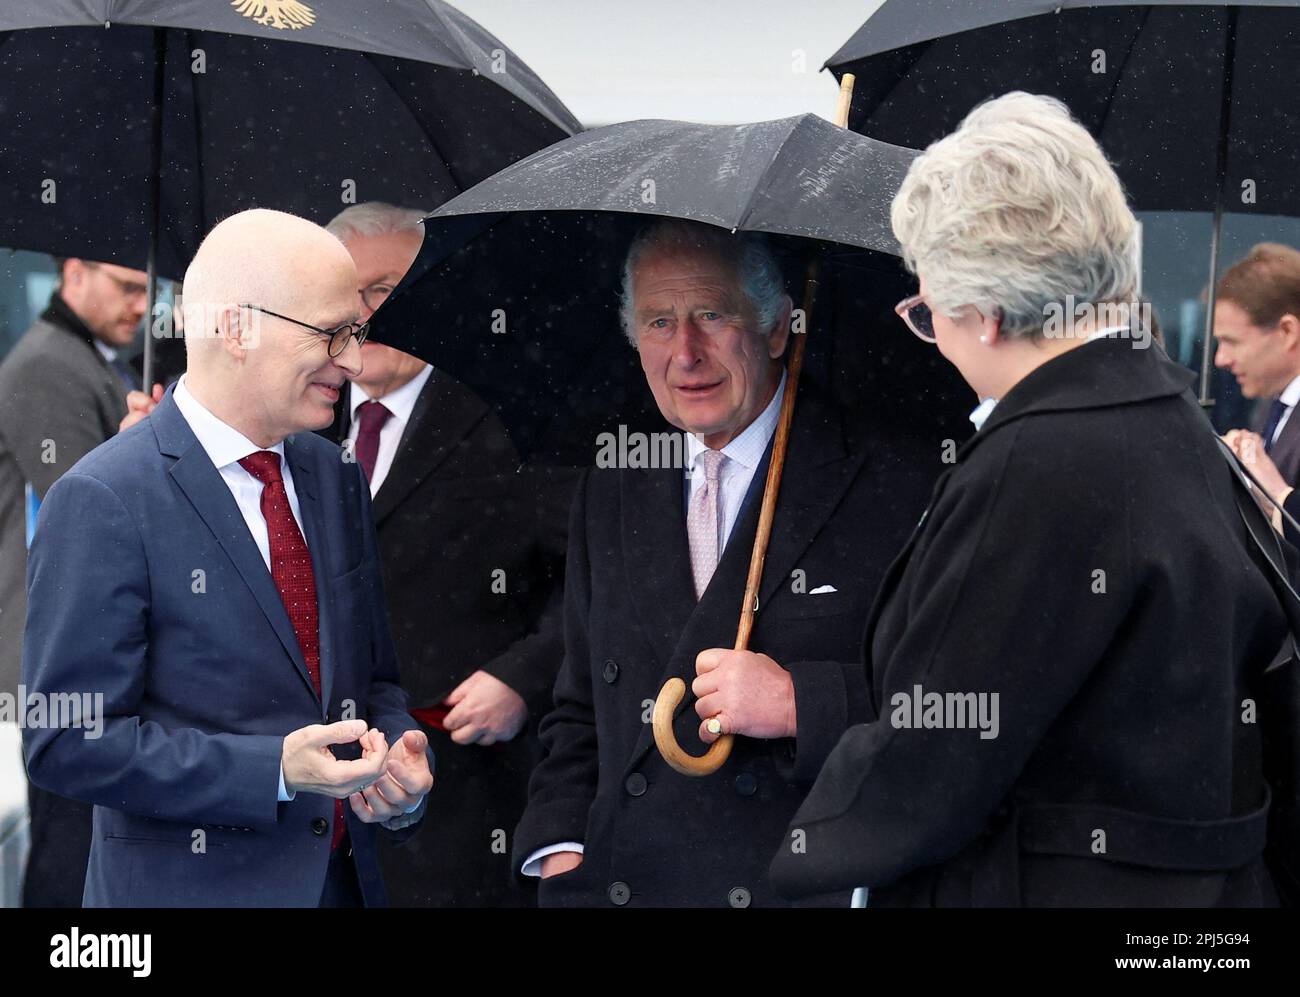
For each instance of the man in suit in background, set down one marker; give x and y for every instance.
(1257, 325)
(472, 547)
(62, 392)
(206, 586)
(656, 573)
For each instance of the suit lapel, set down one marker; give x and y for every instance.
(437, 424)
(306, 487)
(657, 555)
(202, 484)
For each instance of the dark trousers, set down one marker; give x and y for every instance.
(60, 850)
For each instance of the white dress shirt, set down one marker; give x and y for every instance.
(226, 447)
(1289, 397)
(744, 454)
(400, 403)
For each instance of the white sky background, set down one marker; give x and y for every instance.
(711, 61)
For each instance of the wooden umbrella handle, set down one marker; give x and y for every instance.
(675, 689)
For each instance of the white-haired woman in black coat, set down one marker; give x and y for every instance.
(1059, 657)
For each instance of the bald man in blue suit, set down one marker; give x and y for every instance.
(210, 576)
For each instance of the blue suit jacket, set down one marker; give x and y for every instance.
(145, 585)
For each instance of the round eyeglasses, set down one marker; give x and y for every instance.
(338, 337)
(916, 314)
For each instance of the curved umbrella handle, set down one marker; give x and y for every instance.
(662, 722)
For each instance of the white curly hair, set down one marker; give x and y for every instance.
(1015, 211)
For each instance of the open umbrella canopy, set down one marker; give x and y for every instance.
(1152, 82)
(516, 289)
(301, 106)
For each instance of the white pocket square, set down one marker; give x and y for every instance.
(823, 590)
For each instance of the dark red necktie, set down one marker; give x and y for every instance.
(291, 571)
(371, 417)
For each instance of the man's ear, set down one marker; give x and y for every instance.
(780, 332)
(1289, 326)
(235, 329)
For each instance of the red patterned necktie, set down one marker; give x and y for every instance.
(292, 573)
(371, 417)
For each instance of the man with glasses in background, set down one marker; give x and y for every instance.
(472, 547)
(63, 390)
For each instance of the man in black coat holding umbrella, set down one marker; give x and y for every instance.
(656, 570)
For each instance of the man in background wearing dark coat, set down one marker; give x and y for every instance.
(472, 549)
(62, 392)
(655, 574)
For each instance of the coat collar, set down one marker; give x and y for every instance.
(1106, 372)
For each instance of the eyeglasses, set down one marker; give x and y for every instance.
(375, 295)
(129, 288)
(916, 314)
(338, 337)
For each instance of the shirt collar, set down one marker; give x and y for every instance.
(223, 443)
(400, 402)
(105, 351)
(748, 447)
(982, 412)
(1291, 394)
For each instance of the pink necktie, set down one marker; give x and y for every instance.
(703, 520)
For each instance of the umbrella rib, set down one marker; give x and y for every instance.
(1110, 98)
(191, 38)
(419, 123)
(796, 124)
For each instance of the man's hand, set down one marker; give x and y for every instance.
(1250, 448)
(139, 405)
(310, 767)
(484, 710)
(405, 779)
(558, 862)
(749, 694)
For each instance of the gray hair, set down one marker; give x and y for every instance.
(1013, 213)
(757, 270)
(374, 218)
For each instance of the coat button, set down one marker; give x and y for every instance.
(746, 784)
(619, 894)
(319, 826)
(635, 785)
(739, 897)
(610, 671)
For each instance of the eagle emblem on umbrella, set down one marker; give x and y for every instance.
(279, 14)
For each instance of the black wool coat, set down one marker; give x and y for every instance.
(472, 548)
(1084, 562)
(653, 837)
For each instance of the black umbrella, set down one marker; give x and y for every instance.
(515, 290)
(129, 127)
(1195, 101)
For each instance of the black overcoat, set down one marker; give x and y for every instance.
(1084, 562)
